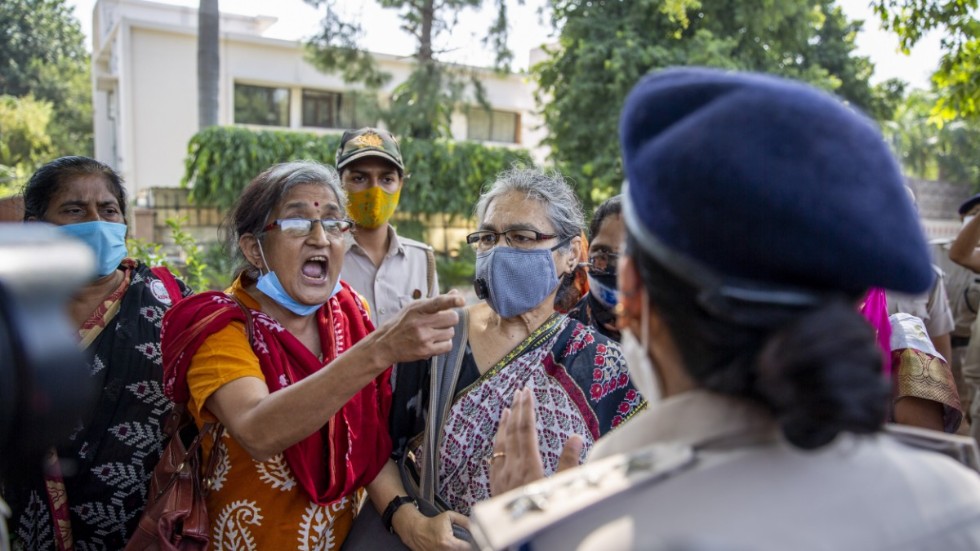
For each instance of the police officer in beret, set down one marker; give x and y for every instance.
(758, 212)
(965, 301)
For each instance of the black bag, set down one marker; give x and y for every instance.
(368, 531)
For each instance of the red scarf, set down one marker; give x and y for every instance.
(351, 448)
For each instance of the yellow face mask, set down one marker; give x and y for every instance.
(372, 207)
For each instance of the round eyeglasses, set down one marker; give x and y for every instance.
(301, 227)
(484, 240)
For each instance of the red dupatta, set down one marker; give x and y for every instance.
(351, 448)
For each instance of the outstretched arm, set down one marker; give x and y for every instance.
(267, 423)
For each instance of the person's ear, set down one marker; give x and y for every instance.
(249, 245)
(631, 295)
(575, 253)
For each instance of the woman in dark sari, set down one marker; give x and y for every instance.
(94, 489)
(527, 248)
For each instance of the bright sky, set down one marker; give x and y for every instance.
(298, 20)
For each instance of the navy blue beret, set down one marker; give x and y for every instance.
(761, 179)
(968, 205)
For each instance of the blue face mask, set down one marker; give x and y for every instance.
(269, 284)
(106, 239)
(603, 288)
(514, 281)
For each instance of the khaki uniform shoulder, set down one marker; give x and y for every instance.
(406, 242)
(961, 448)
(517, 516)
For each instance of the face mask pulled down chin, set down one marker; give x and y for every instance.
(106, 239)
(514, 281)
(638, 361)
(269, 284)
(371, 208)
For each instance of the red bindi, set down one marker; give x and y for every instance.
(316, 203)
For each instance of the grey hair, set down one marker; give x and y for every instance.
(255, 205)
(549, 188)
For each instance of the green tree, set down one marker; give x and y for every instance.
(605, 46)
(956, 78)
(421, 106)
(950, 152)
(24, 139)
(42, 53)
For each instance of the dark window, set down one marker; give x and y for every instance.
(261, 105)
(493, 126)
(333, 110)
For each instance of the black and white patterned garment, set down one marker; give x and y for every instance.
(108, 462)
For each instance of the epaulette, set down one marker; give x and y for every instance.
(961, 448)
(517, 516)
(407, 242)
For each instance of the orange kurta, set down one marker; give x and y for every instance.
(252, 504)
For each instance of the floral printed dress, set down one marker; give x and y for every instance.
(580, 383)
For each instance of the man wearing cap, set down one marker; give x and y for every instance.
(738, 290)
(387, 269)
(964, 286)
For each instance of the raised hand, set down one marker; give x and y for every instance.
(516, 459)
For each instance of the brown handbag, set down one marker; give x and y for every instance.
(176, 514)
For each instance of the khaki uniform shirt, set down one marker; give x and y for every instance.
(932, 307)
(704, 472)
(962, 288)
(400, 279)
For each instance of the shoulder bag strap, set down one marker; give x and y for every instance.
(169, 283)
(443, 376)
(430, 273)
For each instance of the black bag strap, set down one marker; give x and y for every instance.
(443, 376)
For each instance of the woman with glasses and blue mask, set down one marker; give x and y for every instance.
(288, 362)
(606, 236)
(94, 496)
(518, 349)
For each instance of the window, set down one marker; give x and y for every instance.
(261, 105)
(493, 126)
(333, 110)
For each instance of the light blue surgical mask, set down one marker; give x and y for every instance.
(106, 239)
(269, 284)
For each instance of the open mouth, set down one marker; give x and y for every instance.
(315, 268)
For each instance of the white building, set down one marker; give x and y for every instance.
(144, 61)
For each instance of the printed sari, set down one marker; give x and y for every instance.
(305, 496)
(581, 386)
(107, 462)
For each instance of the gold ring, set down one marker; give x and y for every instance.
(495, 456)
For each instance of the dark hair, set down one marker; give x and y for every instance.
(47, 181)
(817, 371)
(257, 201)
(609, 207)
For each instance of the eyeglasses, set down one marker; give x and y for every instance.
(485, 240)
(603, 262)
(301, 227)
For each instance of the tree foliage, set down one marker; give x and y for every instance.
(950, 152)
(422, 105)
(956, 78)
(444, 176)
(605, 46)
(24, 140)
(42, 53)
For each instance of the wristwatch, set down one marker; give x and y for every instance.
(393, 506)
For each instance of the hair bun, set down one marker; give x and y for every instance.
(821, 375)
